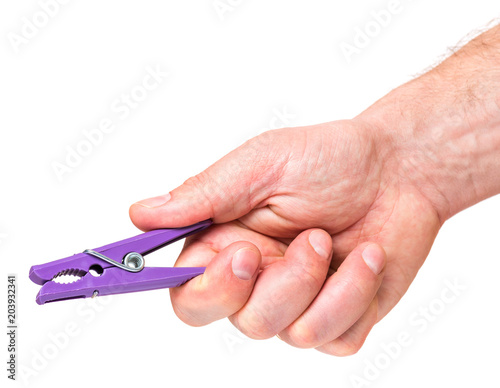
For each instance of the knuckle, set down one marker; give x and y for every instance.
(229, 300)
(255, 325)
(302, 335)
(198, 183)
(356, 289)
(268, 164)
(189, 311)
(186, 316)
(203, 191)
(341, 347)
(309, 274)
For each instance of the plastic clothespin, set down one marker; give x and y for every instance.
(115, 268)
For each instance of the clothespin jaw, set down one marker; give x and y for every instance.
(115, 268)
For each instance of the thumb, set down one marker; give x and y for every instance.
(227, 190)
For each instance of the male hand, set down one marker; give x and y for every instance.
(319, 232)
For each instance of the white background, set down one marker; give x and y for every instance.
(228, 76)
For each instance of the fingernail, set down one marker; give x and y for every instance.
(321, 243)
(374, 257)
(245, 263)
(155, 201)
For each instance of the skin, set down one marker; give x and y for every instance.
(320, 230)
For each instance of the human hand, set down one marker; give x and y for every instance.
(320, 230)
(318, 235)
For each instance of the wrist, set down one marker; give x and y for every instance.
(442, 137)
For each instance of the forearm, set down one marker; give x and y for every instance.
(444, 127)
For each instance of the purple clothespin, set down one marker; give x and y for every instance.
(116, 268)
